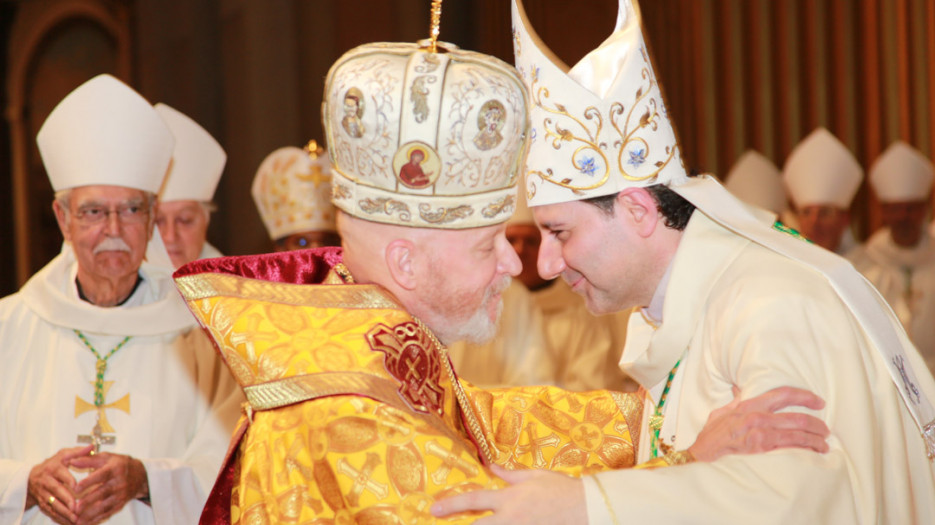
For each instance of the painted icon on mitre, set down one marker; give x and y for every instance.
(416, 165)
(489, 123)
(353, 112)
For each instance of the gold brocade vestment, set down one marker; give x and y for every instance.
(375, 434)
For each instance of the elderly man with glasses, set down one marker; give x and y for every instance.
(115, 406)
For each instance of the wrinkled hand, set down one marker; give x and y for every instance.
(52, 478)
(534, 496)
(115, 479)
(752, 426)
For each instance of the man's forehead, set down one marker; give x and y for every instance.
(105, 193)
(550, 216)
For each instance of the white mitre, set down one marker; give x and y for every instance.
(822, 171)
(901, 173)
(105, 133)
(756, 180)
(423, 137)
(292, 191)
(601, 126)
(197, 161)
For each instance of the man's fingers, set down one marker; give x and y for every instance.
(764, 441)
(782, 397)
(74, 452)
(475, 500)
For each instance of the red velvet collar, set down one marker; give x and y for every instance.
(308, 266)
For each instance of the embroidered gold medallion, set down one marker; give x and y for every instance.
(409, 360)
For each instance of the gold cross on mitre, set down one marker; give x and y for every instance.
(97, 436)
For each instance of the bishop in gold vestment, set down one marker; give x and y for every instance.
(354, 410)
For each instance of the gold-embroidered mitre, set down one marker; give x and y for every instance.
(292, 191)
(599, 127)
(424, 138)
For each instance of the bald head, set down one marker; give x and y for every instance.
(451, 279)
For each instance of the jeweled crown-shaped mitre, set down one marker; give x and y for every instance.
(424, 136)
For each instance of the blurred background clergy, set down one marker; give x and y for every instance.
(185, 201)
(740, 74)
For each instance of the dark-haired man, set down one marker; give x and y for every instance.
(728, 302)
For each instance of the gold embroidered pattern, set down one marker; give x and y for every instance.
(409, 360)
(444, 215)
(508, 202)
(387, 206)
(206, 285)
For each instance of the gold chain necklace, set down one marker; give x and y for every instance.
(466, 409)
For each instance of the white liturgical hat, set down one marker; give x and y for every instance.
(105, 133)
(901, 173)
(599, 127)
(292, 191)
(821, 170)
(424, 138)
(197, 161)
(756, 180)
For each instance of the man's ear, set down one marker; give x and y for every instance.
(60, 219)
(639, 209)
(400, 260)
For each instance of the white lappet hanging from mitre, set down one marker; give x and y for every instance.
(605, 117)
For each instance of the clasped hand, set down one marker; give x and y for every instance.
(113, 480)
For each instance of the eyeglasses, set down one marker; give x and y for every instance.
(126, 213)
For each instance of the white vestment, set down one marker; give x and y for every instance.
(906, 278)
(517, 355)
(174, 403)
(738, 314)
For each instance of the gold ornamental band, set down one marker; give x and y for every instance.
(298, 389)
(206, 285)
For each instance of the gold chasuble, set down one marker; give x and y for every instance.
(355, 414)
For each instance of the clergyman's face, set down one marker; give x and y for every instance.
(183, 225)
(525, 239)
(108, 228)
(906, 220)
(467, 272)
(823, 224)
(596, 254)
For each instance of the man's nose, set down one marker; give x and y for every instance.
(509, 260)
(550, 261)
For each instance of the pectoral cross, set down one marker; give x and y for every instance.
(97, 438)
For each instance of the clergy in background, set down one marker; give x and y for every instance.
(292, 192)
(755, 180)
(822, 177)
(115, 406)
(185, 201)
(899, 259)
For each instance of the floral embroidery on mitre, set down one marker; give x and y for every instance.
(600, 126)
(411, 360)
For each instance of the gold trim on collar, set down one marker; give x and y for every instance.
(205, 285)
